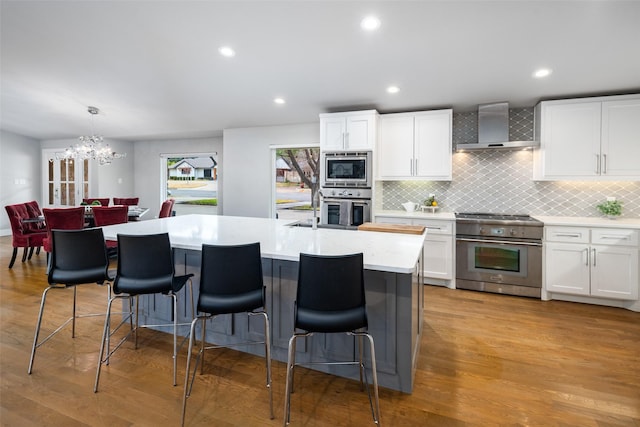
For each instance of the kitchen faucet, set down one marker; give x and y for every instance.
(314, 205)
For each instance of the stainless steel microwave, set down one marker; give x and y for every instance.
(346, 169)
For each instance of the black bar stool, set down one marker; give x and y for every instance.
(145, 267)
(330, 298)
(230, 282)
(78, 257)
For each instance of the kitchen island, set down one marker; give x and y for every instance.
(394, 294)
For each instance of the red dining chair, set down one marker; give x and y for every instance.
(109, 215)
(103, 201)
(36, 222)
(23, 234)
(34, 211)
(128, 201)
(62, 219)
(166, 208)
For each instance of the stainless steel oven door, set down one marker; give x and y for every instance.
(345, 212)
(499, 261)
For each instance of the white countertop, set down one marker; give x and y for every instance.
(417, 214)
(633, 223)
(391, 252)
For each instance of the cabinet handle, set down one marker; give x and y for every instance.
(598, 163)
(416, 169)
(604, 164)
(594, 257)
(345, 138)
(568, 235)
(586, 251)
(411, 167)
(614, 237)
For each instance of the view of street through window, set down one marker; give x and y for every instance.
(193, 183)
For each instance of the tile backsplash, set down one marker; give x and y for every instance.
(500, 181)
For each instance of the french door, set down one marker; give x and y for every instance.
(65, 182)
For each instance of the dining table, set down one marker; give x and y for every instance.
(135, 214)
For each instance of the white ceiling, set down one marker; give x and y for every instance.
(153, 68)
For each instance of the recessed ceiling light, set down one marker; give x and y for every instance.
(542, 72)
(227, 51)
(393, 89)
(279, 101)
(370, 23)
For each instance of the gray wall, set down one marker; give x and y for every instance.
(148, 167)
(20, 173)
(246, 180)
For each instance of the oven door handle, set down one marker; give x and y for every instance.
(500, 242)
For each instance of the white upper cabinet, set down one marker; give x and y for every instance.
(592, 139)
(415, 146)
(351, 131)
(621, 138)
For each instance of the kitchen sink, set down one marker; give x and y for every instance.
(324, 226)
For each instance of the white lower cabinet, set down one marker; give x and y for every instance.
(438, 247)
(595, 262)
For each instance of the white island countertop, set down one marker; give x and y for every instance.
(391, 252)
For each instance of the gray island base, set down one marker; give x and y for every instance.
(393, 288)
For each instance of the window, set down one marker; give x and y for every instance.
(297, 177)
(192, 181)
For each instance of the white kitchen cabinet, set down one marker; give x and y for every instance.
(351, 131)
(438, 246)
(594, 139)
(596, 262)
(415, 146)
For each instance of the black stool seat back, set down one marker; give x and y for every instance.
(78, 257)
(145, 265)
(231, 279)
(330, 296)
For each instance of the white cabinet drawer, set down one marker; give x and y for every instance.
(614, 236)
(393, 220)
(566, 234)
(435, 226)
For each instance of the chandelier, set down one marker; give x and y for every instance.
(90, 147)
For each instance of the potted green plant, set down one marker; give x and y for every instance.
(612, 208)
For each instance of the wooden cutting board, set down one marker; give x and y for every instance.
(392, 228)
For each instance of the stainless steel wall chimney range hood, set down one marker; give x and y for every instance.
(493, 130)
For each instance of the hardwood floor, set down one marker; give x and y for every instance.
(486, 360)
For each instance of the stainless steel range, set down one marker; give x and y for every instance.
(499, 253)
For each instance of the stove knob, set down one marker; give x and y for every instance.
(514, 232)
(481, 231)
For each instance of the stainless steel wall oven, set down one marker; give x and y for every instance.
(499, 253)
(344, 207)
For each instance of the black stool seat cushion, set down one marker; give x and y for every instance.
(331, 321)
(152, 285)
(78, 277)
(234, 303)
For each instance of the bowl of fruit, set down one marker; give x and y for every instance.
(430, 205)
